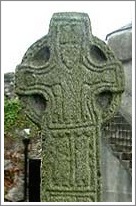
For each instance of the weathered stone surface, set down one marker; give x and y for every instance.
(13, 170)
(120, 42)
(16, 193)
(70, 83)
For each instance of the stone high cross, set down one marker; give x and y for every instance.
(70, 83)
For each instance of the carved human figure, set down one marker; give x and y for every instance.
(70, 83)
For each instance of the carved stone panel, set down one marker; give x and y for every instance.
(70, 83)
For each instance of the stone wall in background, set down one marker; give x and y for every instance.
(14, 152)
(116, 144)
(9, 85)
(116, 179)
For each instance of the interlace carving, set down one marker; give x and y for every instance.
(70, 83)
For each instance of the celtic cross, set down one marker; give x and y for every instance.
(70, 83)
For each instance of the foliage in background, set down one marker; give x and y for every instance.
(15, 118)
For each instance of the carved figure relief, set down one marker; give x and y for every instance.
(70, 83)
